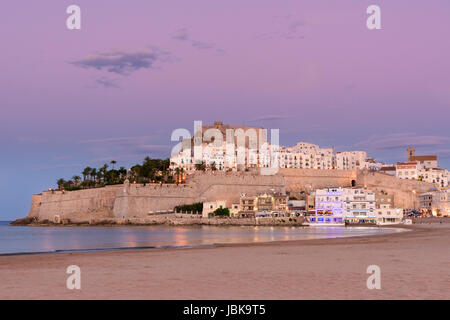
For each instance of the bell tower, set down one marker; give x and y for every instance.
(411, 153)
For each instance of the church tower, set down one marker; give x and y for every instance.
(411, 153)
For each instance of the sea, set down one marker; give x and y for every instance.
(36, 239)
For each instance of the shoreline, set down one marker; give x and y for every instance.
(194, 246)
(414, 265)
(169, 220)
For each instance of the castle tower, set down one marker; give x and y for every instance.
(411, 153)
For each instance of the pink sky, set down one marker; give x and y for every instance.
(310, 68)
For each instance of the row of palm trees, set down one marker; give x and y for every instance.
(150, 171)
(94, 177)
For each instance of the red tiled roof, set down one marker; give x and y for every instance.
(423, 158)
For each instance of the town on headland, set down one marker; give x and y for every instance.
(226, 182)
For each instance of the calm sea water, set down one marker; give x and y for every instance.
(54, 239)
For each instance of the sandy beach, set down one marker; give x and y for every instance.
(414, 265)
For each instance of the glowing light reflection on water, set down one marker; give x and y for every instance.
(48, 239)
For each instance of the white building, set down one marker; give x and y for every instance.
(437, 176)
(351, 160)
(436, 202)
(407, 170)
(339, 205)
(416, 171)
(359, 205)
(210, 207)
(387, 215)
(237, 148)
(306, 156)
(441, 202)
(328, 206)
(426, 161)
(371, 164)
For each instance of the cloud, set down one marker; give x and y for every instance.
(269, 118)
(183, 36)
(289, 27)
(123, 63)
(107, 83)
(31, 139)
(403, 140)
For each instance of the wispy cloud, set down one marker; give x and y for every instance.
(123, 63)
(269, 117)
(183, 36)
(403, 140)
(31, 139)
(107, 83)
(288, 27)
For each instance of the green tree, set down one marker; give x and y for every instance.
(222, 212)
(94, 174)
(200, 166)
(60, 183)
(122, 171)
(76, 179)
(86, 172)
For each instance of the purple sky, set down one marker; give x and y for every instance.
(139, 69)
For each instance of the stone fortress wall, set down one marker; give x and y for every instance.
(406, 192)
(139, 201)
(80, 205)
(310, 179)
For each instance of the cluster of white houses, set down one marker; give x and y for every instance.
(238, 148)
(436, 203)
(234, 148)
(423, 168)
(329, 206)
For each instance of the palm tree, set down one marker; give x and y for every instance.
(76, 179)
(60, 183)
(94, 174)
(122, 172)
(86, 172)
(113, 162)
(104, 171)
(99, 175)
